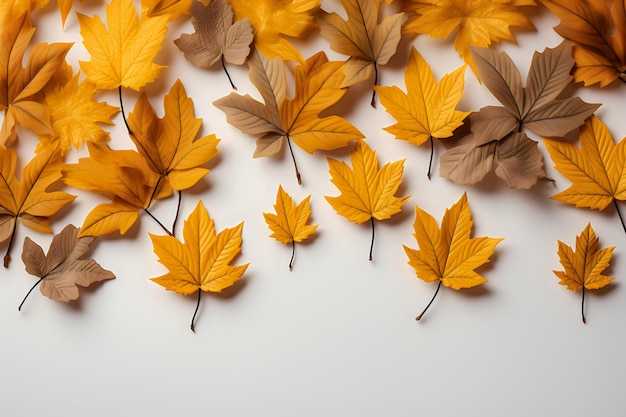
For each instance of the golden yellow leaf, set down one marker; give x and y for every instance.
(28, 200)
(202, 262)
(169, 144)
(280, 119)
(172, 9)
(122, 55)
(272, 20)
(289, 224)
(477, 22)
(583, 267)
(367, 192)
(10, 10)
(19, 85)
(448, 254)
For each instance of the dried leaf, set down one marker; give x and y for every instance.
(202, 262)
(63, 270)
(583, 267)
(448, 254)
(289, 224)
(367, 192)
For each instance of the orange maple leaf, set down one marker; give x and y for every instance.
(448, 254)
(367, 192)
(584, 266)
(289, 224)
(202, 262)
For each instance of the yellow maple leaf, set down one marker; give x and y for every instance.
(202, 262)
(29, 200)
(11, 10)
(289, 224)
(367, 42)
(20, 85)
(448, 254)
(169, 144)
(583, 267)
(273, 19)
(123, 54)
(172, 9)
(279, 119)
(479, 22)
(428, 109)
(367, 192)
(74, 114)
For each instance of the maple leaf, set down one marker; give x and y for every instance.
(448, 254)
(497, 139)
(597, 170)
(169, 144)
(272, 20)
(367, 192)
(29, 201)
(599, 28)
(19, 85)
(74, 114)
(202, 262)
(479, 22)
(123, 54)
(428, 109)
(289, 224)
(172, 9)
(584, 266)
(368, 43)
(62, 270)
(125, 177)
(280, 119)
(216, 37)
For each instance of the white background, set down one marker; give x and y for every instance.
(337, 335)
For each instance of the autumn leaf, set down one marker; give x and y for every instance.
(583, 267)
(125, 177)
(428, 109)
(74, 114)
(448, 254)
(598, 28)
(169, 144)
(19, 85)
(479, 22)
(272, 21)
(62, 270)
(202, 262)
(29, 200)
(367, 192)
(280, 120)
(497, 140)
(289, 224)
(597, 169)
(172, 9)
(368, 43)
(216, 37)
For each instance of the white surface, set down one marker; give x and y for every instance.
(337, 335)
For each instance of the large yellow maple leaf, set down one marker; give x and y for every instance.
(122, 55)
(29, 200)
(428, 109)
(448, 254)
(289, 224)
(367, 192)
(583, 267)
(479, 22)
(273, 19)
(202, 262)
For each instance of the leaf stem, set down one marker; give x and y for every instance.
(432, 153)
(28, 293)
(130, 132)
(158, 222)
(293, 158)
(622, 76)
(180, 197)
(372, 242)
(619, 213)
(293, 254)
(227, 74)
(582, 306)
(7, 256)
(373, 102)
(431, 301)
(195, 311)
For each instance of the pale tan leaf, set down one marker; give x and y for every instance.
(467, 163)
(518, 161)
